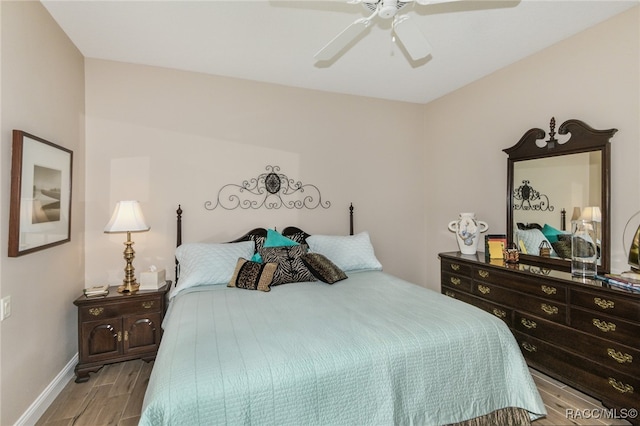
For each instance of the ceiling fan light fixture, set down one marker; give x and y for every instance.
(387, 8)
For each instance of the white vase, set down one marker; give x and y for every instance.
(468, 229)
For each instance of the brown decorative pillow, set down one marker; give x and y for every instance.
(562, 248)
(290, 269)
(253, 275)
(322, 268)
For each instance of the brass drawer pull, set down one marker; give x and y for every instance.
(604, 303)
(499, 313)
(119, 336)
(549, 309)
(619, 356)
(604, 326)
(484, 289)
(620, 386)
(455, 266)
(96, 311)
(147, 305)
(528, 323)
(455, 281)
(450, 294)
(529, 347)
(548, 289)
(483, 273)
(126, 336)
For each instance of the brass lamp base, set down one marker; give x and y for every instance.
(129, 284)
(130, 288)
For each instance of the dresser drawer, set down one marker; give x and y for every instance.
(451, 266)
(611, 386)
(606, 326)
(110, 310)
(605, 352)
(456, 281)
(606, 303)
(534, 286)
(550, 310)
(499, 311)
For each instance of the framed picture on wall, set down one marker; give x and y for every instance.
(40, 208)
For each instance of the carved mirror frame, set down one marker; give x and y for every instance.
(583, 139)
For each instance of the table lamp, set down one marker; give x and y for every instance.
(127, 217)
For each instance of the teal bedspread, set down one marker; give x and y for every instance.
(371, 349)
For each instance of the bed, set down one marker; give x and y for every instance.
(350, 345)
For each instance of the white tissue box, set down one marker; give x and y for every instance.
(152, 280)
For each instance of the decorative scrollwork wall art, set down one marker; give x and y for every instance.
(527, 198)
(271, 190)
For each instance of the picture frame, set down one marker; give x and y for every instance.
(494, 244)
(40, 205)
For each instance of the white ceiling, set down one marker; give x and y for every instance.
(274, 41)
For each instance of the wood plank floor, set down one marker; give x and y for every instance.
(113, 396)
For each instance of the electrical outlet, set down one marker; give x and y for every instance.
(5, 308)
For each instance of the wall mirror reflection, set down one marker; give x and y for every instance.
(552, 183)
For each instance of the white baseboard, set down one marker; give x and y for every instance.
(44, 400)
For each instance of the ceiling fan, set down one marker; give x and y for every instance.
(404, 28)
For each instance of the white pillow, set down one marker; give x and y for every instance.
(532, 238)
(202, 263)
(349, 253)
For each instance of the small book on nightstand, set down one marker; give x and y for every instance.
(95, 291)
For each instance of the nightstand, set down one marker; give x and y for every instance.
(118, 327)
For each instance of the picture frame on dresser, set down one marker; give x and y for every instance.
(40, 205)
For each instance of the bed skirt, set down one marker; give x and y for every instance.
(510, 416)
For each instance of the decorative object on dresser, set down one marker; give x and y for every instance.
(467, 229)
(40, 207)
(584, 333)
(127, 217)
(118, 327)
(584, 249)
(558, 167)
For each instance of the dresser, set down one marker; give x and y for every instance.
(118, 327)
(581, 332)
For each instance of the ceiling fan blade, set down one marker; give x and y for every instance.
(411, 37)
(340, 41)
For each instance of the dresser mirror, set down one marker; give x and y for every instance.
(554, 181)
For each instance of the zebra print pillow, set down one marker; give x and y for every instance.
(290, 268)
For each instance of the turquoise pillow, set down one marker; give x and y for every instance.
(275, 239)
(551, 233)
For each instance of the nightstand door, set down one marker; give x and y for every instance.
(102, 339)
(142, 333)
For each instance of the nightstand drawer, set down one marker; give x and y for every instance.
(109, 310)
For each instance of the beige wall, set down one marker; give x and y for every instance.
(43, 94)
(593, 76)
(166, 137)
